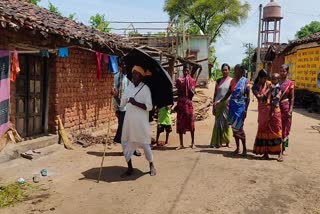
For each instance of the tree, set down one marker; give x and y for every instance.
(35, 2)
(249, 51)
(54, 9)
(307, 30)
(98, 22)
(72, 16)
(210, 16)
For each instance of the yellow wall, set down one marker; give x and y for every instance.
(305, 68)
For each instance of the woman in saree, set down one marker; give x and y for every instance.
(221, 131)
(185, 115)
(239, 93)
(286, 105)
(269, 135)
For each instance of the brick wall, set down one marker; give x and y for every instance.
(76, 95)
(277, 62)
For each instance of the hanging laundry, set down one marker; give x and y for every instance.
(44, 53)
(63, 52)
(4, 91)
(113, 64)
(106, 58)
(15, 68)
(99, 61)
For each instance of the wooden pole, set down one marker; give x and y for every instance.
(105, 144)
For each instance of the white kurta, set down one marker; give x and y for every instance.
(136, 126)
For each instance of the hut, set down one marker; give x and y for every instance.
(60, 71)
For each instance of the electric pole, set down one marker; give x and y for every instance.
(249, 47)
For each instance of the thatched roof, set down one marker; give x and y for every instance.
(312, 38)
(20, 16)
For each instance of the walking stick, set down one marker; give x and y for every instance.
(105, 146)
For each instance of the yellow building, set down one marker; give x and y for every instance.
(303, 58)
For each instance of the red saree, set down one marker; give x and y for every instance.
(269, 135)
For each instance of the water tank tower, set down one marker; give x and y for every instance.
(271, 24)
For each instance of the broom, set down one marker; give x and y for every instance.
(105, 146)
(63, 135)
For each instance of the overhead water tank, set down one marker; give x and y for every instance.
(272, 11)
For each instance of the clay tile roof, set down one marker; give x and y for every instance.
(312, 38)
(273, 51)
(18, 14)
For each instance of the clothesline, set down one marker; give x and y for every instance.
(50, 50)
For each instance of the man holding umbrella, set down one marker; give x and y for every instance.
(136, 128)
(121, 82)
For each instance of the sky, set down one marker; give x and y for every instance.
(229, 47)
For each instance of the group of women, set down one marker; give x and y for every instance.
(231, 101)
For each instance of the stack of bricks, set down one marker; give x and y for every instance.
(76, 95)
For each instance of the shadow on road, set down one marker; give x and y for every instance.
(229, 154)
(306, 113)
(203, 146)
(99, 154)
(163, 148)
(111, 174)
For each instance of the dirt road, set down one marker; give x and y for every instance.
(203, 180)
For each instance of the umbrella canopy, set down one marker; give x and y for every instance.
(159, 82)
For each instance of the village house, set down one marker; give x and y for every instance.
(48, 84)
(302, 56)
(197, 47)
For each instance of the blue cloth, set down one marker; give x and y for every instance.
(237, 104)
(44, 53)
(113, 64)
(4, 91)
(121, 83)
(63, 52)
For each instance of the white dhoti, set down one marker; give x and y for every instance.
(129, 148)
(136, 132)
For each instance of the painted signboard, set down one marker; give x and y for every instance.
(304, 67)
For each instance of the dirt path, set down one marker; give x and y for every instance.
(203, 180)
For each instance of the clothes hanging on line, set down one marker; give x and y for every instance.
(4, 91)
(44, 53)
(63, 52)
(99, 61)
(15, 68)
(113, 64)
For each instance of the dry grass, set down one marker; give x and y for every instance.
(13, 193)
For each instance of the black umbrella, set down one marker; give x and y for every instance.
(159, 82)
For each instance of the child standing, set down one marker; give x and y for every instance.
(273, 94)
(164, 123)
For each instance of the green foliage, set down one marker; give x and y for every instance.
(308, 29)
(54, 9)
(35, 2)
(134, 33)
(13, 193)
(159, 34)
(245, 61)
(99, 22)
(210, 16)
(72, 16)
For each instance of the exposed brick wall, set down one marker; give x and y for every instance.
(76, 95)
(277, 62)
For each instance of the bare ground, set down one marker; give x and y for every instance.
(203, 180)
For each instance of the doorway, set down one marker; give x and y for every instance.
(30, 96)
